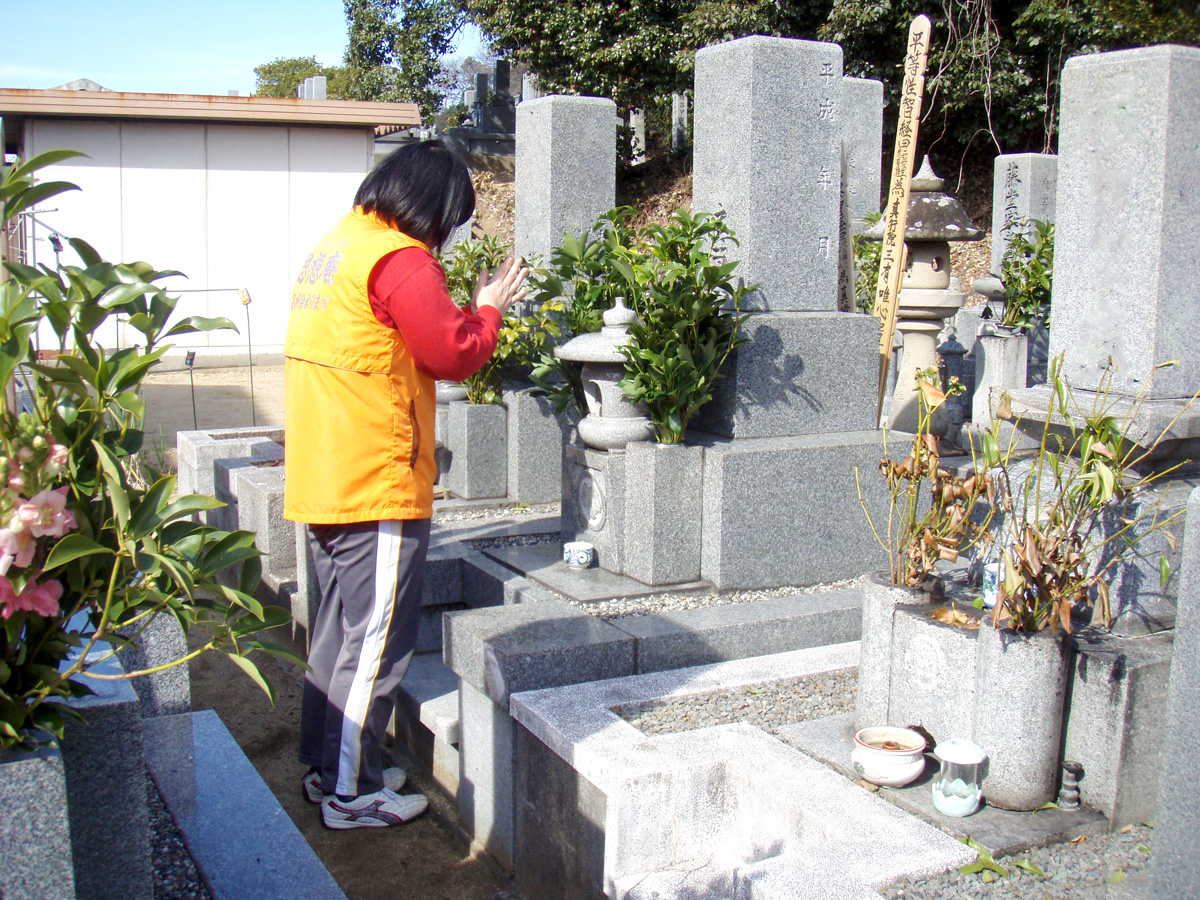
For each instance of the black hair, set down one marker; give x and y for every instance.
(423, 190)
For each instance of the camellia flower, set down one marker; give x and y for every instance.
(45, 514)
(37, 598)
(15, 547)
(42, 598)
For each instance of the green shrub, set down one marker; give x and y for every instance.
(1028, 273)
(866, 267)
(689, 306)
(581, 276)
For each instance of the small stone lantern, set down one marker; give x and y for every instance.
(613, 420)
(928, 294)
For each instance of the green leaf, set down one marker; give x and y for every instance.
(1164, 571)
(35, 195)
(146, 517)
(253, 671)
(71, 547)
(1117, 877)
(199, 323)
(1028, 867)
(85, 250)
(116, 485)
(187, 505)
(47, 158)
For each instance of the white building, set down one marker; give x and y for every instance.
(231, 191)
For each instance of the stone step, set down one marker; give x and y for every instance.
(429, 692)
(426, 720)
(243, 843)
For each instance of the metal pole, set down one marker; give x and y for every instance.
(190, 361)
(245, 295)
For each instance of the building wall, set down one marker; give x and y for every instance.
(227, 205)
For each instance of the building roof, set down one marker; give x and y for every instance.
(203, 107)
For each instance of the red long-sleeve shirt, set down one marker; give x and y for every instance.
(407, 290)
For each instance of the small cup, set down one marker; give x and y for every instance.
(991, 584)
(579, 554)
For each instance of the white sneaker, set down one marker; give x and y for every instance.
(393, 780)
(378, 810)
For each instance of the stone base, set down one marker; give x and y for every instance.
(1174, 421)
(477, 438)
(799, 373)
(35, 845)
(999, 830)
(663, 510)
(785, 511)
(593, 502)
(535, 441)
(106, 791)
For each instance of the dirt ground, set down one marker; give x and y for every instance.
(422, 860)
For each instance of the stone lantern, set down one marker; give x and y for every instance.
(613, 420)
(928, 293)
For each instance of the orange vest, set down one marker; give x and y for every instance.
(359, 429)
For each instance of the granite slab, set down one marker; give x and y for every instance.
(243, 843)
(1000, 831)
(542, 564)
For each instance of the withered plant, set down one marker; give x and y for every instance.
(933, 514)
(1076, 516)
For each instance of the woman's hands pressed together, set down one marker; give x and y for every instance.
(503, 289)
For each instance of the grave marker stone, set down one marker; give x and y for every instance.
(1023, 188)
(1127, 205)
(778, 184)
(679, 121)
(566, 169)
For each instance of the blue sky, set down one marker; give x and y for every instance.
(170, 47)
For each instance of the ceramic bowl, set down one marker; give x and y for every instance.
(888, 756)
(579, 554)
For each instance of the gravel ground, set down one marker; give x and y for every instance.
(1073, 871)
(502, 513)
(515, 540)
(175, 875)
(767, 707)
(660, 603)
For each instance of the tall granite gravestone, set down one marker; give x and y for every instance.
(679, 121)
(1128, 202)
(566, 169)
(1023, 188)
(1126, 255)
(796, 411)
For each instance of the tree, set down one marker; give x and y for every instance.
(396, 46)
(282, 77)
(633, 51)
(994, 65)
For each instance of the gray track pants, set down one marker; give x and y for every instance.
(370, 576)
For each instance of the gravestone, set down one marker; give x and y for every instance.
(565, 169)
(679, 122)
(637, 137)
(1127, 205)
(790, 420)
(778, 183)
(862, 137)
(529, 87)
(1023, 188)
(1177, 829)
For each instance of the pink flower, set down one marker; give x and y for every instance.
(15, 547)
(37, 598)
(55, 459)
(16, 481)
(45, 515)
(8, 598)
(43, 598)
